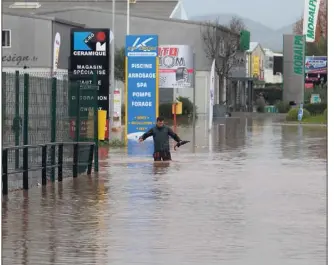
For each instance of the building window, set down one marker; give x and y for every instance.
(6, 38)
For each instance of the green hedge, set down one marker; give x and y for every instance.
(283, 107)
(293, 114)
(165, 109)
(316, 109)
(271, 94)
(321, 91)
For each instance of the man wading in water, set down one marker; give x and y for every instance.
(161, 134)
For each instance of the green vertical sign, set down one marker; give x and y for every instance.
(293, 68)
(298, 54)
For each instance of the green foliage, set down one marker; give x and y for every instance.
(317, 48)
(260, 104)
(273, 85)
(282, 107)
(165, 110)
(325, 113)
(270, 94)
(293, 114)
(187, 106)
(113, 143)
(316, 109)
(317, 90)
(116, 143)
(120, 64)
(317, 119)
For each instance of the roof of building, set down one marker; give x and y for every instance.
(50, 18)
(253, 45)
(146, 8)
(109, 11)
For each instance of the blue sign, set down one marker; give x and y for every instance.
(142, 90)
(90, 43)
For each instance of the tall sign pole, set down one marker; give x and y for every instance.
(141, 90)
(90, 57)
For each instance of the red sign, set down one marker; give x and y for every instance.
(168, 51)
(308, 85)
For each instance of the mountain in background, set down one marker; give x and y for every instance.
(267, 37)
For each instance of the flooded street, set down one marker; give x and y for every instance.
(254, 192)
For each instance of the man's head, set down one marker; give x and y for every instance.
(160, 121)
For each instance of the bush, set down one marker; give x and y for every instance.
(187, 106)
(293, 114)
(270, 94)
(165, 110)
(283, 107)
(260, 104)
(317, 90)
(316, 109)
(325, 113)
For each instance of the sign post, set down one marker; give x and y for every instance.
(141, 90)
(90, 56)
(293, 68)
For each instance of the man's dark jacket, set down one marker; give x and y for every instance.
(161, 137)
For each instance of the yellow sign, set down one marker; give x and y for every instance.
(255, 66)
(177, 107)
(102, 119)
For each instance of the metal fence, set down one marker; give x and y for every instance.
(38, 109)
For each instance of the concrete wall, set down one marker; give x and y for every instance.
(30, 39)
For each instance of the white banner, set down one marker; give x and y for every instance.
(212, 93)
(56, 47)
(176, 66)
(311, 10)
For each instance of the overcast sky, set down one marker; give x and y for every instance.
(273, 13)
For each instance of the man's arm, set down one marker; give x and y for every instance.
(146, 135)
(173, 135)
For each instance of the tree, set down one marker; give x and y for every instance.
(319, 47)
(120, 64)
(222, 48)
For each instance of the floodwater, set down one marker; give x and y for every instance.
(254, 192)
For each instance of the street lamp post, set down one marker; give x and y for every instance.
(112, 74)
(128, 17)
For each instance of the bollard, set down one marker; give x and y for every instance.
(44, 158)
(25, 169)
(16, 124)
(90, 160)
(60, 162)
(5, 172)
(53, 125)
(25, 131)
(75, 160)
